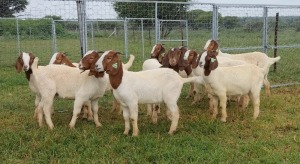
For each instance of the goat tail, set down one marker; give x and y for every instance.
(195, 79)
(129, 63)
(34, 65)
(274, 60)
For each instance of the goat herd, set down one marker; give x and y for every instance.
(224, 76)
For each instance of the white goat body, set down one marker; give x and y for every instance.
(232, 81)
(67, 83)
(144, 87)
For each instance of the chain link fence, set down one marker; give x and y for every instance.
(133, 27)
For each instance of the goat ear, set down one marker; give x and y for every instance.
(195, 60)
(181, 62)
(31, 58)
(213, 46)
(114, 66)
(213, 64)
(165, 61)
(19, 64)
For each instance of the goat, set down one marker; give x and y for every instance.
(88, 63)
(67, 83)
(231, 81)
(24, 61)
(144, 87)
(61, 58)
(257, 58)
(158, 52)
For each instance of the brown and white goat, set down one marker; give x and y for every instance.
(24, 61)
(257, 58)
(61, 58)
(238, 80)
(144, 87)
(88, 63)
(158, 52)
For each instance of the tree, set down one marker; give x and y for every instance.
(166, 11)
(199, 19)
(231, 22)
(54, 17)
(10, 7)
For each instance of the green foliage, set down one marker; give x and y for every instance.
(199, 19)
(54, 17)
(230, 22)
(10, 7)
(166, 11)
(253, 25)
(29, 28)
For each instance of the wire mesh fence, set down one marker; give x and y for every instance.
(133, 27)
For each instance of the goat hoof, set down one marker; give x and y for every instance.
(223, 119)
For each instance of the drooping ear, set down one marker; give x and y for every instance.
(181, 62)
(195, 59)
(114, 65)
(213, 46)
(19, 64)
(165, 61)
(31, 58)
(211, 62)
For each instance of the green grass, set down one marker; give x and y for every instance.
(273, 138)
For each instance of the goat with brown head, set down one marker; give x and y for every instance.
(171, 59)
(211, 45)
(25, 61)
(110, 63)
(61, 58)
(158, 52)
(88, 63)
(211, 62)
(192, 58)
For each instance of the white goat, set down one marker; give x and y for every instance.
(24, 61)
(257, 58)
(238, 80)
(144, 87)
(61, 58)
(88, 63)
(68, 83)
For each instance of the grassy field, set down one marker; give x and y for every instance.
(273, 138)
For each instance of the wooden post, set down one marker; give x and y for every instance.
(275, 39)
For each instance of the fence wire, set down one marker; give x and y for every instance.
(133, 27)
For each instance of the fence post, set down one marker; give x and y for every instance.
(156, 24)
(81, 11)
(18, 36)
(126, 36)
(215, 23)
(275, 39)
(143, 41)
(54, 48)
(265, 30)
(92, 34)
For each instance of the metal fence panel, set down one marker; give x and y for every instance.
(133, 27)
